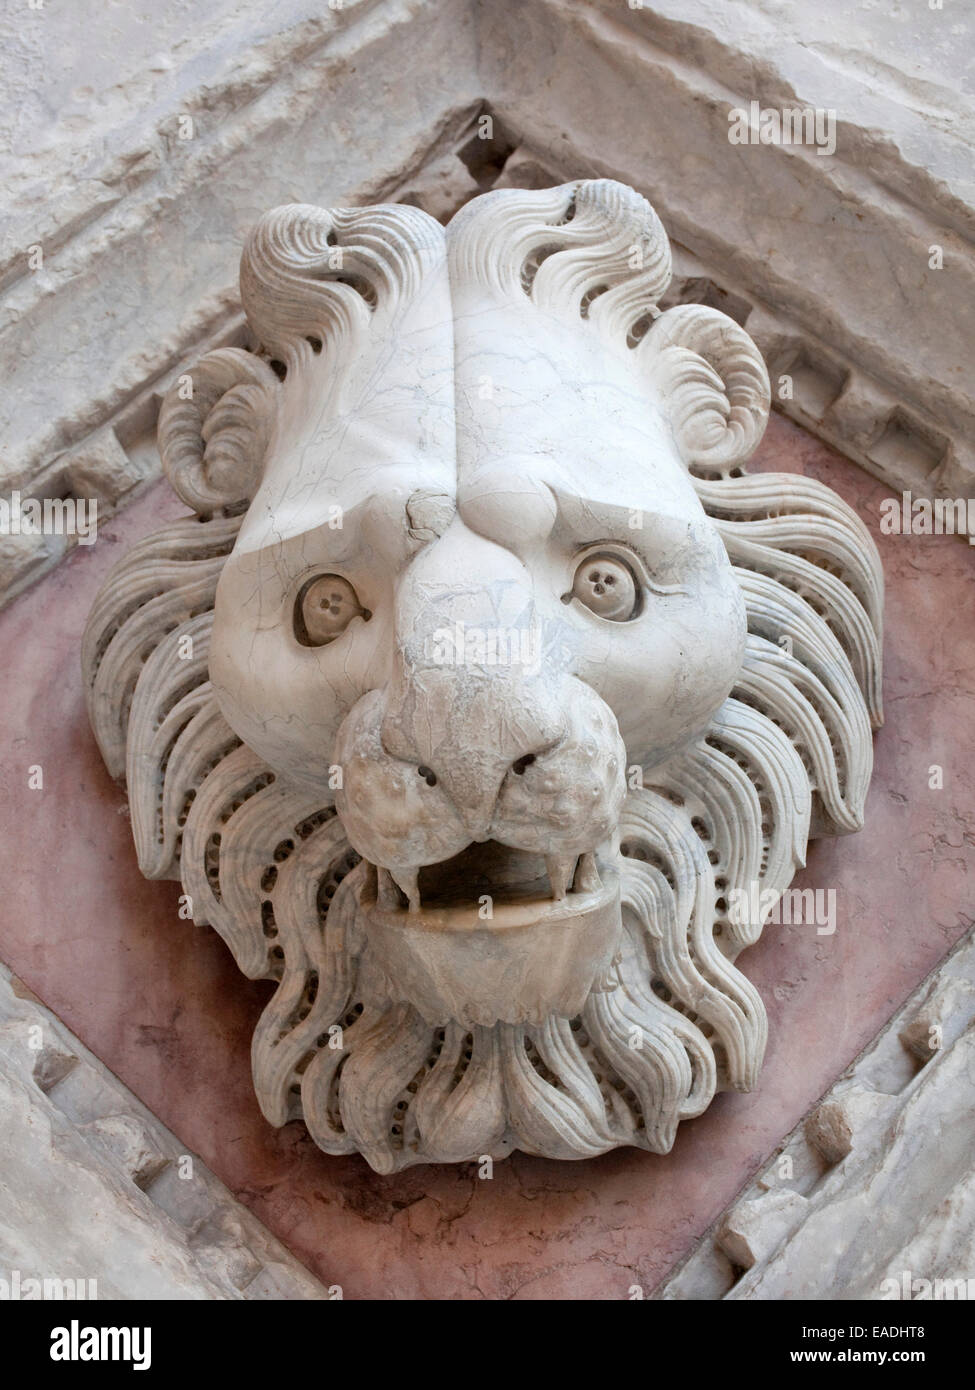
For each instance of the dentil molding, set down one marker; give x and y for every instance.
(101, 1200)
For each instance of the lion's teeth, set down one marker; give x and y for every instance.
(407, 880)
(560, 868)
(387, 894)
(587, 878)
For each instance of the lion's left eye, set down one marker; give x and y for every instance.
(324, 609)
(607, 586)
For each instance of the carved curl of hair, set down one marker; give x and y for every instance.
(715, 385)
(593, 249)
(212, 440)
(313, 283)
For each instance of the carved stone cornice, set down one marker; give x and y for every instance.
(831, 253)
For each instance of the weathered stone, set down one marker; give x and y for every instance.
(825, 285)
(844, 1119)
(99, 468)
(893, 1215)
(755, 1228)
(78, 1197)
(186, 150)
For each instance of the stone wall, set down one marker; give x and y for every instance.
(134, 167)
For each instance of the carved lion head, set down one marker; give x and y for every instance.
(484, 687)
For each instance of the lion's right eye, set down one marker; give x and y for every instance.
(606, 585)
(324, 608)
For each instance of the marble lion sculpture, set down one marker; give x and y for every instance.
(483, 686)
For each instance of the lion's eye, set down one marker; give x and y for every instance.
(324, 609)
(607, 587)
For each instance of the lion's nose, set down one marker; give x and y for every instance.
(566, 798)
(542, 776)
(471, 697)
(477, 793)
(470, 743)
(478, 810)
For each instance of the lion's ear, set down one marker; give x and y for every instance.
(213, 427)
(714, 385)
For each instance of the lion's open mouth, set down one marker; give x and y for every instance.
(488, 878)
(495, 934)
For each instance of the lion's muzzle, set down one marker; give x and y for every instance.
(485, 790)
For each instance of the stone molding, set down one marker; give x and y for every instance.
(878, 1188)
(94, 1187)
(266, 102)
